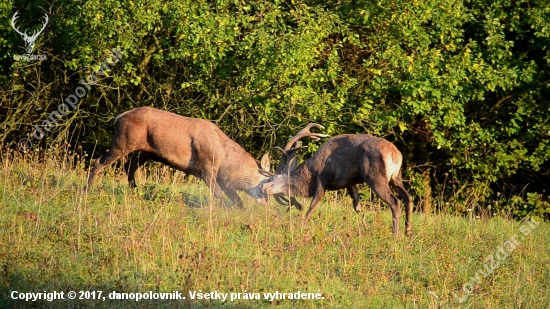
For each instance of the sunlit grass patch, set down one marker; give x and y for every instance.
(170, 234)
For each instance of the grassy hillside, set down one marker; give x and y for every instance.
(171, 236)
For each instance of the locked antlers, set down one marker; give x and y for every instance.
(288, 159)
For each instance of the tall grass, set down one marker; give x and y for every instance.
(171, 235)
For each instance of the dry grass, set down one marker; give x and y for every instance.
(171, 236)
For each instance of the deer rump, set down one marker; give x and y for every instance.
(194, 146)
(342, 162)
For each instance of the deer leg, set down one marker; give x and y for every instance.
(107, 159)
(209, 177)
(354, 193)
(407, 198)
(136, 159)
(233, 196)
(319, 192)
(382, 189)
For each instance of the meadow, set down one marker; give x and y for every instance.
(172, 235)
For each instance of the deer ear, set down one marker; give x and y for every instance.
(265, 164)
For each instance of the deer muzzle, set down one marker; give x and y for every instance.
(262, 201)
(275, 186)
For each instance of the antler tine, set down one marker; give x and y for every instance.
(266, 173)
(297, 146)
(306, 132)
(288, 155)
(15, 16)
(46, 22)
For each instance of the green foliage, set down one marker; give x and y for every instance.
(532, 204)
(460, 87)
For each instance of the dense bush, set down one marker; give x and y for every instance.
(460, 87)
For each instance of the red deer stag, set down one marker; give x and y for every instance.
(193, 146)
(342, 162)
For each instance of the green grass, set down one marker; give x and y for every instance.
(172, 236)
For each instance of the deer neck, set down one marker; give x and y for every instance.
(300, 181)
(240, 172)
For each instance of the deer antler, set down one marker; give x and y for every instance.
(288, 159)
(306, 132)
(29, 40)
(266, 173)
(15, 16)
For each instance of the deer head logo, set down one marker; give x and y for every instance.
(29, 40)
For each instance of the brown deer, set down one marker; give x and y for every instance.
(193, 146)
(342, 162)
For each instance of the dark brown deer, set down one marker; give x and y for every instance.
(193, 146)
(342, 162)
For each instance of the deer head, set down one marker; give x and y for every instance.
(29, 40)
(288, 158)
(289, 161)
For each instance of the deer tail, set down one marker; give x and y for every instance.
(392, 161)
